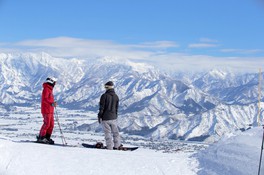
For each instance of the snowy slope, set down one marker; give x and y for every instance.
(229, 87)
(235, 154)
(18, 157)
(32, 159)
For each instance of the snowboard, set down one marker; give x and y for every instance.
(96, 146)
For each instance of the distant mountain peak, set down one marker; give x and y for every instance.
(135, 66)
(216, 73)
(148, 97)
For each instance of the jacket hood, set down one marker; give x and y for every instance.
(110, 91)
(47, 85)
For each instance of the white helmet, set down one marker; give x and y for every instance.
(51, 80)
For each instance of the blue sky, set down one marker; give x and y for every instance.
(167, 31)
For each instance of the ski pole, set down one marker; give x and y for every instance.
(261, 152)
(62, 136)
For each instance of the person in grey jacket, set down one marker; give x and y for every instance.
(107, 116)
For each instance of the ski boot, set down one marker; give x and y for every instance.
(50, 141)
(42, 139)
(121, 147)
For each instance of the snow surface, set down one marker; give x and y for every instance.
(32, 159)
(23, 158)
(235, 154)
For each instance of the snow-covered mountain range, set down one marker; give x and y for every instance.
(152, 103)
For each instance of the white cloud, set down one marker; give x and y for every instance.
(184, 62)
(75, 47)
(202, 45)
(151, 52)
(242, 51)
(208, 40)
(157, 44)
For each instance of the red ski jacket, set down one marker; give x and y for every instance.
(47, 99)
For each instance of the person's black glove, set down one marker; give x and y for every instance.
(99, 120)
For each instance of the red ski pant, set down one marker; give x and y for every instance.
(48, 124)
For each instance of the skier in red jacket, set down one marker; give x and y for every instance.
(47, 110)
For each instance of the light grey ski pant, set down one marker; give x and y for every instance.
(110, 128)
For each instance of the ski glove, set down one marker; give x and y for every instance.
(54, 104)
(99, 119)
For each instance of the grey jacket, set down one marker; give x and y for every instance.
(108, 106)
